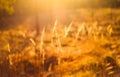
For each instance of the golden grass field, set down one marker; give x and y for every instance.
(88, 46)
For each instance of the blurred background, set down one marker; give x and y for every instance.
(16, 11)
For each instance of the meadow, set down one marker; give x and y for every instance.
(86, 43)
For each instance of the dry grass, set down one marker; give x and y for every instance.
(83, 50)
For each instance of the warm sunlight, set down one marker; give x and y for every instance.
(59, 38)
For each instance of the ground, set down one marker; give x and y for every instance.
(83, 44)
